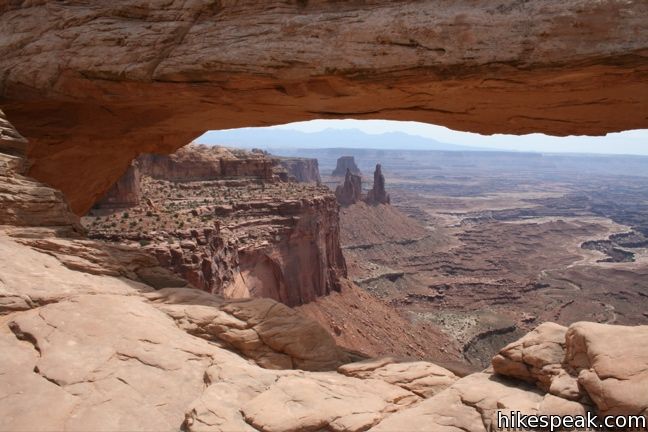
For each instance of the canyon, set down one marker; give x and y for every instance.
(485, 246)
(132, 329)
(99, 335)
(250, 231)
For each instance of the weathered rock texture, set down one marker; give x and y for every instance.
(27, 202)
(305, 170)
(349, 192)
(111, 80)
(344, 164)
(11, 142)
(422, 378)
(233, 232)
(611, 364)
(538, 358)
(595, 364)
(377, 194)
(126, 192)
(196, 162)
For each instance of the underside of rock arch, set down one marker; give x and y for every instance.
(90, 86)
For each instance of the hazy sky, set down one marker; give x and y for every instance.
(628, 142)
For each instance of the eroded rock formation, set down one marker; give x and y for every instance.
(26, 202)
(349, 192)
(344, 164)
(196, 162)
(303, 170)
(377, 194)
(232, 232)
(125, 192)
(88, 344)
(110, 81)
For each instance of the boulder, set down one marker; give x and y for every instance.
(612, 365)
(472, 404)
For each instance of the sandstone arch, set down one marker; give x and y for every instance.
(92, 84)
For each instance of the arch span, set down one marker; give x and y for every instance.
(92, 84)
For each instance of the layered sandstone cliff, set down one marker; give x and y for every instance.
(305, 170)
(236, 233)
(197, 162)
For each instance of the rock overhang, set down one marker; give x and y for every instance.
(103, 83)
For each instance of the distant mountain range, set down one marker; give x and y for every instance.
(272, 138)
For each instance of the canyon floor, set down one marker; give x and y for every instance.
(485, 246)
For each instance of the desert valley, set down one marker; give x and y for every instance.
(467, 252)
(152, 281)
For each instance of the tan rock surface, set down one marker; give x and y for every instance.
(116, 362)
(324, 401)
(97, 351)
(613, 365)
(30, 279)
(536, 358)
(113, 361)
(271, 333)
(27, 202)
(22, 391)
(156, 76)
(421, 378)
(470, 404)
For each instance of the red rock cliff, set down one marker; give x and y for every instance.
(305, 259)
(200, 162)
(350, 192)
(305, 170)
(125, 192)
(239, 235)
